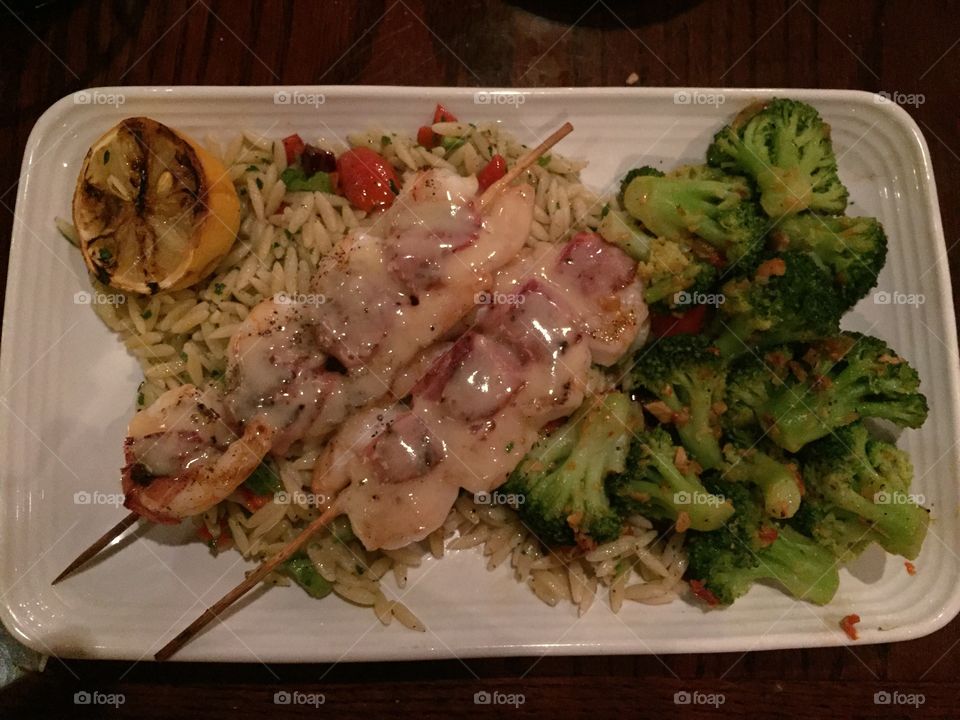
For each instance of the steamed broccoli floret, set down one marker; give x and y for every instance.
(672, 274)
(784, 145)
(858, 493)
(561, 479)
(779, 482)
(750, 380)
(687, 377)
(619, 229)
(725, 563)
(787, 298)
(809, 391)
(654, 485)
(852, 249)
(643, 171)
(703, 203)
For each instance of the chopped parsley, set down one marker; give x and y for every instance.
(385, 140)
(451, 143)
(105, 255)
(263, 480)
(106, 156)
(543, 160)
(606, 209)
(218, 288)
(510, 446)
(146, 314)
(259, 184)
(297, 180)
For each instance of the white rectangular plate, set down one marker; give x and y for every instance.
(67, 388)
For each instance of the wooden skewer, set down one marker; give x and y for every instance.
(268, 566)
(523, 163)
(108, 537)
(252, 580)
(261, 572)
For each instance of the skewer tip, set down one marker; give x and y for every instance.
(104, 540)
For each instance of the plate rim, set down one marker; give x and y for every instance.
(900, 118)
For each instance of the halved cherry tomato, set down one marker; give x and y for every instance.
(491, 172)
(368, 181)
(441, 114)
(293, 145)
(426, 137)
(690, 323)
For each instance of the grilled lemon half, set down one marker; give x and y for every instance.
(153, 210)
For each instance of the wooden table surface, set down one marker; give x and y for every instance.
(897, 46)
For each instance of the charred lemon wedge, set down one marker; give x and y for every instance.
(153, 210)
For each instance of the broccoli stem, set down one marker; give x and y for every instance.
(797, 416)
(898, 524)
(777, 482)
(682, 493)
(697, 434)
(806, 570)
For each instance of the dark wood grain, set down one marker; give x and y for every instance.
(907, 46)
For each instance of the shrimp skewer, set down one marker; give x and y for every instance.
(387, 299)
(522, 366)
(480, 407)
(333, 510)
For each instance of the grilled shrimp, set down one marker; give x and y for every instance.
(297, 370)
(481, 404)
(184, 455)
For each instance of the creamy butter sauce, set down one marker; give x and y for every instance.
(482, 403)
(179, 431)
(598, 282)
(297, 369)
(182, 453)
(275, 371)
